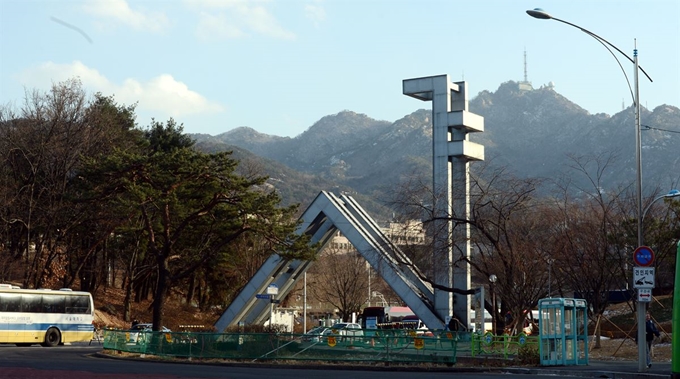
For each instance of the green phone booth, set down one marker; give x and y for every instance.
(563, 332)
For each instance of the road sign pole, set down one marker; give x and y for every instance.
(271, 313)
(643, 257)
(675, 337)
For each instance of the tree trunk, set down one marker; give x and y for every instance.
(127, 303)
(160, 293)
(598, 333)
(191, 289)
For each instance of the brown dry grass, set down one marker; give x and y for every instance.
(109, 312)
(627, 350)
(624, 349)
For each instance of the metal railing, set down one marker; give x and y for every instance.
(381, 346)
(503, 346)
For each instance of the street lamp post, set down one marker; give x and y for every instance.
(641, 307)
(550, 262)
(492, 280)
(369, 284)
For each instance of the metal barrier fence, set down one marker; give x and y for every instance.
(381, 346)
(503, 345)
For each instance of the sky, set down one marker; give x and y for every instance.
(280, 66)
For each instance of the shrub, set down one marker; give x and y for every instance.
(255, 328)
(528, 355)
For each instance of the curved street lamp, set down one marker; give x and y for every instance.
(670, 194)
(641, 307)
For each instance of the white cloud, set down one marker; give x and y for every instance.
(119, 11)
(211, 26)
(263, 22)
(165, 94)
(162, 95)
(316, 13)
(237, 18)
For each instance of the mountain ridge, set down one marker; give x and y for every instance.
(536, 133)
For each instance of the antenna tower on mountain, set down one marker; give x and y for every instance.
(525, 85)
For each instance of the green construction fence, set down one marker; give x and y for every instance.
(376, 346)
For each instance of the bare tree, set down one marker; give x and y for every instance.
(42, 149)
(509, 238)
(588, 258)
(506, 232)
(341, 280)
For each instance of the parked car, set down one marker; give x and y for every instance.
(316, 334)
(138, 332)
(347, 329)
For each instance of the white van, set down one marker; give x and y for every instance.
(347, 329)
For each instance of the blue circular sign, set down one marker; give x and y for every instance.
(643, 256)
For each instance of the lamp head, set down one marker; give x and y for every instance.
(493, 278)
(673, 193)
(539, 13)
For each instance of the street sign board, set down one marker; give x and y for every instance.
(262, 296)
(644, 295)
(643, 277)
(643, 256)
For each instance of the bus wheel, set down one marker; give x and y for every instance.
(52, 337)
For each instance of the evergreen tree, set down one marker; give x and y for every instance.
(193, 206)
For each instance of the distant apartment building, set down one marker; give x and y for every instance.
(403, 234)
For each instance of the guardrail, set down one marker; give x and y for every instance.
(381, 346)
(504, 345)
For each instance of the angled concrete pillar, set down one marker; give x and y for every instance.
(451, 154)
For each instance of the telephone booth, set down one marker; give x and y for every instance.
(563, 332)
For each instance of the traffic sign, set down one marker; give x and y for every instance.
(643, 256)
(644, 295)
(262, 296)
(643, 277)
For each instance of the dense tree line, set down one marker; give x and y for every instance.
(88, 197)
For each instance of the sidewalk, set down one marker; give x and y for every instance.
(599, 369)
(595, 369)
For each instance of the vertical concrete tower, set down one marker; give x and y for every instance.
(451, 154)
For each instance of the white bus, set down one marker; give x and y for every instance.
(46, 317)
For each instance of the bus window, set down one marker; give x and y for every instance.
(10, 303)
(54, 304)
(31, 304)
(78, 304)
